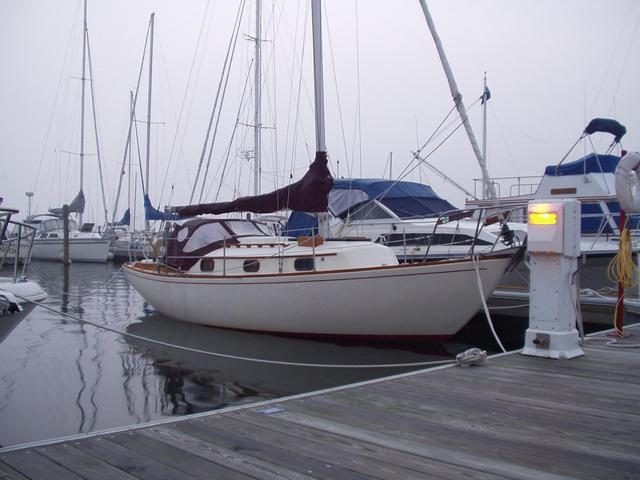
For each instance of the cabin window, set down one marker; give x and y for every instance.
(304, 264)
(422, 239)
(205, 235)
(243, 227)
(251, 266)
(207, 264)
(369, 211)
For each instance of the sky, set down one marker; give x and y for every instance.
(550, 65)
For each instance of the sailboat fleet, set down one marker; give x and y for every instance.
(352, 260)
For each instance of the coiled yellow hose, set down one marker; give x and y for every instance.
(622, 269)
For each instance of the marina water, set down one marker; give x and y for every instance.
(60, 375)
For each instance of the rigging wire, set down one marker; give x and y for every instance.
(95, 127)
(56, 96)
(219, 112)
(184, 99)
(335, 81)
(215, 103)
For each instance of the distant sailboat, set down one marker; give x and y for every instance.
(84, 246)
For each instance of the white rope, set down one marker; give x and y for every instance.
(474, 258)
(473, 356)
(237, 357)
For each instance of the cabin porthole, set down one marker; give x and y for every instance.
(207, 264)
(251, 266)
(304, 264)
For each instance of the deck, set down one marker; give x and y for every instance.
(515, 417)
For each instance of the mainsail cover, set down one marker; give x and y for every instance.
(309, 194)
(76, 205)
(152, 213)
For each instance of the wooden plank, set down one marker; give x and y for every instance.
(129, 461)
(36, 467)
(179, 459)
(85, 465)
(502, 411)
(383, 459)
(207, 430)
(8, 473)
(232, 459)
(423, 447)
(499, 446)
(330, 454)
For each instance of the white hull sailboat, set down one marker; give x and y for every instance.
(337, 288)
(48, 243)
(235, 274)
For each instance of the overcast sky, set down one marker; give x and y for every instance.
(551, 66)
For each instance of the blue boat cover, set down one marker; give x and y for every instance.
(405, 199)
(606, 125)
(591, 163)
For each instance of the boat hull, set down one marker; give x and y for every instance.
(430, 300)
(80, 249)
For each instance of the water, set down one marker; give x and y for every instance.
(61, 377)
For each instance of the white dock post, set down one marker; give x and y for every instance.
(554, 247)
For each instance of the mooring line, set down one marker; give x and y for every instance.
(238, 357)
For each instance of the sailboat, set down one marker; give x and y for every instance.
(84, 245)
(235, 274)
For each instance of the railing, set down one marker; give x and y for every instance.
(16, 242)
(515, 186)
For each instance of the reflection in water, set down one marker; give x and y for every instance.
(197, 382)
(60, 377)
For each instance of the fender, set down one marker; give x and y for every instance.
(627, 182)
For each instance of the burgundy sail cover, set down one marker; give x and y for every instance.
(309, 194)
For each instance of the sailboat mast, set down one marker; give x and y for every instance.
(484, 119)
(146, 182)
(257, 124)
(489, 189)
(316, 16)
(83, 79)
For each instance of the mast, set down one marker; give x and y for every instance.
(146, 182)
(257, 124)
(321, 147)
(316, 18)
(489, 189)
(485, 98)
(83, 79)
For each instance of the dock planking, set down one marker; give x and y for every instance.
(514, 417)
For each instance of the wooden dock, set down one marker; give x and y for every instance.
(514, 417)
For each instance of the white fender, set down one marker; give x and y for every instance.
(627, 182)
